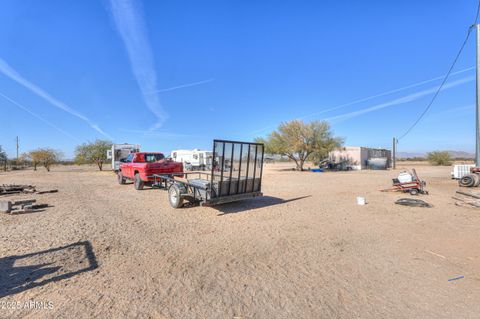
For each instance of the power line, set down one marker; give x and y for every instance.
(446, 76)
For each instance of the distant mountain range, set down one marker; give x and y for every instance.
(453, 154)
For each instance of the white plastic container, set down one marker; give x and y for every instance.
(405, 177)
(361, 200)
(461, 170)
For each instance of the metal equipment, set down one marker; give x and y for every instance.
(414, 186)
(236, 174)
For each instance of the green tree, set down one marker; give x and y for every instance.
(93, 153)
(439, 158)
(301, 141)
(3, 159)
(44, 156)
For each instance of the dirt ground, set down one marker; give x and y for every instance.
(304, 250)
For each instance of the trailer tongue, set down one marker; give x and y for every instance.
(236, 174)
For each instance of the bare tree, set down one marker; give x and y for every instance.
(45, 157)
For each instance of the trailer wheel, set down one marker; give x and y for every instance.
(120, 178)
(138, 183)
(414, 191)
(174, 196)
(468, 180)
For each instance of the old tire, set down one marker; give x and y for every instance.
(468, 180)
(174, 196)
(477, 180)
(120, 178)
(138, 183)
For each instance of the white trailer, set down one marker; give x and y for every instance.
(119, 152)
(193, 159)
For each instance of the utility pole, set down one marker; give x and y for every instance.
(477, 122)
(17, 149)
(394, 153)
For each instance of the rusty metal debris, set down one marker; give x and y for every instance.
(467, 199)
(8, 189)
(20, 206)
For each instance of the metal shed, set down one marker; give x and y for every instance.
(358, 157)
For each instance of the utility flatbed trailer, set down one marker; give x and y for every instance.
(414, 187)
(236, 174)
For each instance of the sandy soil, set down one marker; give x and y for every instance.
(305, 250)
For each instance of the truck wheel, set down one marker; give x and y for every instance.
(138, 183)
(174, 196)
(120, 178)
(468, 180)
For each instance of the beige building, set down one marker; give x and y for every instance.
(357, 157)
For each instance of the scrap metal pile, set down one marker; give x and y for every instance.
(7, 189)
(15, 189)
(468, 199)
(21, 206)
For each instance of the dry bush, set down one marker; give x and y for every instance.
(439, 158)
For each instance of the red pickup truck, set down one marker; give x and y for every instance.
(140, 167)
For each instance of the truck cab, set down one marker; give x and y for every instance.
(141, 166)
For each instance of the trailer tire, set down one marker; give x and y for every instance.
(468, 180)
(414, 191)
(138, 183)
(120, 178)
(174, 196)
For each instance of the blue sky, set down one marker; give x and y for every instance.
(176, 74)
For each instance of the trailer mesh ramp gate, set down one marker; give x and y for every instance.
(236, 174)
(237, 168)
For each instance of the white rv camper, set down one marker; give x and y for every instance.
(193, 159)
(119, 152)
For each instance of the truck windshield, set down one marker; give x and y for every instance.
(150, 158)
(128, 159)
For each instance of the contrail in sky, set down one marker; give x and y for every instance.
(402, 100)
(180, 86)
(128, 18)
(8, 71)
(38, 117)
(166, 135)
(371, 97)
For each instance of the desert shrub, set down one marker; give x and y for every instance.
(439, 158)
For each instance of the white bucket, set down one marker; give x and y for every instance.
(361, 201)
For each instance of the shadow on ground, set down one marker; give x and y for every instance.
(22, 272)
(33, 211)
(254, 203)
